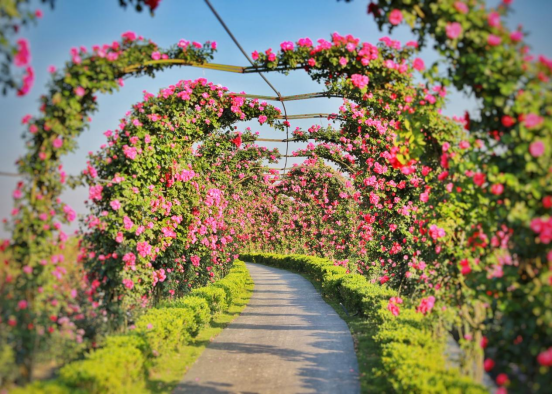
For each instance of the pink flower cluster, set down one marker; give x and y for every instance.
(95, 192)
(392, 305)
(130, 152)
(70, 214)
(158, 276)
(426, 305)
(195, 260)
(360, 81)
(115, 204)
(436, 233)
(23, 56)
(128, 283)
(143, 248)
(130, 260)
(287, 46)
(304, 42)
(28, 81)
(543, 227)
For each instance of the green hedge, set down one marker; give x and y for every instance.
(121, 364)
(412, 355)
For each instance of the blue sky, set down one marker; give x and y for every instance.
(257, 24)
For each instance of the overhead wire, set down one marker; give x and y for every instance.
(227, 29)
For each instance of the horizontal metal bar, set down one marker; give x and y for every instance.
(182, 62)
(8, 174)
(304, 116)
(278, 141)
(304, 96)
(252, 69)
(206, 65)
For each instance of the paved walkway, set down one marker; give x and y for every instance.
(287, 340)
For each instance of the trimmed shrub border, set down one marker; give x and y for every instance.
(124, 362)
(410, 349)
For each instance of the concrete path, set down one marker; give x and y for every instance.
(287, 340)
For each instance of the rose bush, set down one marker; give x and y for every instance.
(452, 213)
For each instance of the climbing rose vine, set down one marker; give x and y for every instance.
(454, 213)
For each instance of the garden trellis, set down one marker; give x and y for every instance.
(427, 205)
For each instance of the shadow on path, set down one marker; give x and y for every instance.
(287, 340)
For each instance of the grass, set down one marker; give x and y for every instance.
(169, 370)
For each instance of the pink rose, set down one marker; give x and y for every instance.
(57, 143)
(516, 36)
(494, 19)
(536, 149)
(130, 36)
(418, 64)
(195, 260)
(497, 189)
(532, 121)
(479, 179)
(286, 46)
(493, 40)
(395, 17)
(128, 283)
(305, 42)
(461, 7)
(115, 204)
(424, 197)
(453, 30)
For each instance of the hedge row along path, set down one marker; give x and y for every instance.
(287, 340)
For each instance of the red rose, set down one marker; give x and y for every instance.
(488, 365)
(508, 121)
